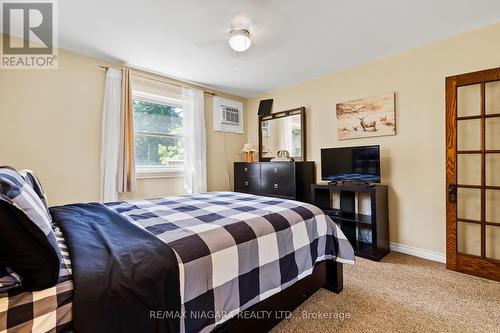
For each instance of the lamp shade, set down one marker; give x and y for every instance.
(248, 147)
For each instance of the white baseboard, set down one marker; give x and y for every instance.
(414, 251)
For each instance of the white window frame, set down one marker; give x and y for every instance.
(158, 172)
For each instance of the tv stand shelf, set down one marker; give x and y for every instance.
(349, 220)
(336, 213)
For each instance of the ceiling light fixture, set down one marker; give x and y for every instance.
(239, 40)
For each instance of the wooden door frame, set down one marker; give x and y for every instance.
(470, 264)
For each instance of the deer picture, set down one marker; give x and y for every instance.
(387, 121)
(367, 124)
(366, 117)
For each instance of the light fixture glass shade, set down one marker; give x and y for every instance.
(239, 40)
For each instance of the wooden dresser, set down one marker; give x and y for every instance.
(288, 180)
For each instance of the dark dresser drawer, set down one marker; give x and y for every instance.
(278, 172)
(247, 170)
(278, 188)
(247, 185)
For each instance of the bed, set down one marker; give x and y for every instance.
(194, 263)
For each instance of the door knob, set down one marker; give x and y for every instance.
(452, 193)
(276, 186)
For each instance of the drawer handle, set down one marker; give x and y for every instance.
(246, 169)
(275, 170)
(246, 183)
(276, 186)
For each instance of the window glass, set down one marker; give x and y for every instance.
(158, 127)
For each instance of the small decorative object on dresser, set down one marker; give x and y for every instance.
(249, 150)
(282, 156)
(288, 180)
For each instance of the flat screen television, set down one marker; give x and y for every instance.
(351, 164)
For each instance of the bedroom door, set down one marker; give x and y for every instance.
(473, 173)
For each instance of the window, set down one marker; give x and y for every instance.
(158, 125)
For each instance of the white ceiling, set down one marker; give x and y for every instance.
(293, 40)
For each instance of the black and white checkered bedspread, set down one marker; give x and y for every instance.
(48, 310)
(236, 249)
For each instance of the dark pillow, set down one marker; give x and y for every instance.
(8, 279)
(27, 242)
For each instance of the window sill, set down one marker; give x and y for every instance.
(153, 174)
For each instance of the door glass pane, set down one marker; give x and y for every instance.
(492, 93)
(469, 169)
(469, 238)
(493, 206)
(493, 133)
(469, 134)
(469, 203)
(492, 242)
(493, 169)
(469, 100)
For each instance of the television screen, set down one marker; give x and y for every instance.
(356, 164)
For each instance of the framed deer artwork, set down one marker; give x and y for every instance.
(367, 117)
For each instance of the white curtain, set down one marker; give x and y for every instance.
(195, 166)
(110, 137)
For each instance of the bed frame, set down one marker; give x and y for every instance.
(326, 274)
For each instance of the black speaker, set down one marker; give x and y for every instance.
(265, 107)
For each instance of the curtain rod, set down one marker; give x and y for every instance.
(172, 84)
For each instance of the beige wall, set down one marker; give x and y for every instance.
(413, 160)
(51, 122)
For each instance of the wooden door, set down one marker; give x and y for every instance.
(473, 173)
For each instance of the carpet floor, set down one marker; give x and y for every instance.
(401, 294)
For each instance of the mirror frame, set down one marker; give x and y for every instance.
(288, 113)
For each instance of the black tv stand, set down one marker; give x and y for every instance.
(377, 221)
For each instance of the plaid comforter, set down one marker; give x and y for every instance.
(236, 249)
(48, 310)
(233, 250)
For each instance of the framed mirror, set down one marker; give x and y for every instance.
(285, 130)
